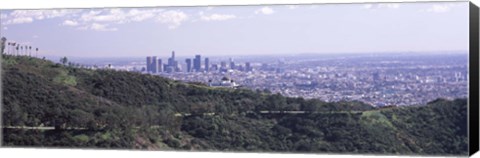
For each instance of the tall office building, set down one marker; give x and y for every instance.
(171, 60)
(165, 67)
(160, 65)
(172, 64)
(232, 64)
(176, 67)
(149, 63)
(189, 65)
(223, 67)
(154, 65)
(197, 62)
(248, 67)
(207, 62)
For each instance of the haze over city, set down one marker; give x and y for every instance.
(241, 30)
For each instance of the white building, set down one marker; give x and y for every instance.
(225, 82)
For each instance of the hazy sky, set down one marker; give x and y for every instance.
(242, 30)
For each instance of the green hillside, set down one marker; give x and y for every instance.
(116, 109)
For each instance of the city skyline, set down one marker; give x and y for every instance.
(242, 30)
(396, 80)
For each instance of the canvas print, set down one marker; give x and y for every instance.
(359, 78)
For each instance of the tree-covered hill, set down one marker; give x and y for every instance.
(116, 109)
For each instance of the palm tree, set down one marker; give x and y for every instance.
(36, 53)
(3, 40)
(13, 48)
(30, 54)
(18, 46)
(8, 48)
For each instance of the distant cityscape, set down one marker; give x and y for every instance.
(376, 79)
(154, 65)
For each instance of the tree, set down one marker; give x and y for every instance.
(64, 60)
(30, 47)
(2, 47)
(9, 46)
(13, 48)
(18, 47)
(36, 53)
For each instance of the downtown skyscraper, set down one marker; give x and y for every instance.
(172, 65)
(149, 63)
(152, 64)
(207, 65)
(189, 65)
(197, 63)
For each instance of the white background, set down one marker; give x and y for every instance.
(51, 153)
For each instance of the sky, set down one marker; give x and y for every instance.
(241, 30)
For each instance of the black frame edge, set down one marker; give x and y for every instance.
(473, 106)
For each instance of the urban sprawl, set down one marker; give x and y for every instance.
(378, 80)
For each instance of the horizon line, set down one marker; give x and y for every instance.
(272, 54)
